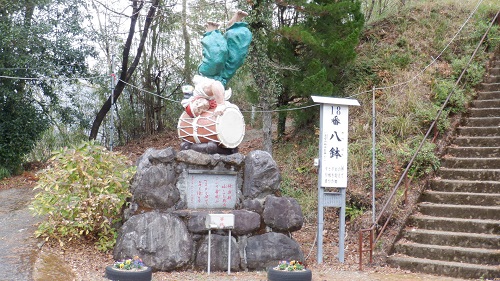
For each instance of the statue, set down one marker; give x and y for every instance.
(210, 123)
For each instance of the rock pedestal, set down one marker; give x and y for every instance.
(161, 229)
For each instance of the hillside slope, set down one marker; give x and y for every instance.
(409, 62)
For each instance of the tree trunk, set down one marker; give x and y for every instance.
(126, 71)
(187, 44)
(370, 11)
(267, 126)
(159, 104)
(283, 101)
(262, 71)
(150, 101)
(281, 126)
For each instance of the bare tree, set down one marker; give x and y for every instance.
(187, 44)
(126, 69)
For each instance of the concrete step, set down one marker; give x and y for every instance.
(469, 174)
(449, 253)
(452, 269)
(474, 152)
(486, 103)
(465, 186)
(483, 112)
(491, 78)
(489, 87)
(455, 239)
(455, 224)
(477, 141)
(479, 131)
(456, 231)
(461, 198)
(482, 122)
(494, 70)
(460, 211)
(470, 163)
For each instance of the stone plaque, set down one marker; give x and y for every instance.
(211, 189)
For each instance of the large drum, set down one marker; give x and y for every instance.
(227, 130)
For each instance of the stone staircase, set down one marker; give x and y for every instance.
(456, 231)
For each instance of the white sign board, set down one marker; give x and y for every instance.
(334, 141)
(334, 113)
(219, 221)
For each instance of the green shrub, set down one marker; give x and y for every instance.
(21, 124)
(51, 140)
(425, 115)
(352, 211)
(305, 196)
(4, 173)
(426, 160)
(458, 99)
(474, 74)
(82, 194)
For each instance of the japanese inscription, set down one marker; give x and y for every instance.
(334, 150)
(211, 190)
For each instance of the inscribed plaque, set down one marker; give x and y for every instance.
(211, 190)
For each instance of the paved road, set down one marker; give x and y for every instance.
(17, 245)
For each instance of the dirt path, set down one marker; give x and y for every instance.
(17, 244)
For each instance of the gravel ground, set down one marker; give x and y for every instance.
(85, 266)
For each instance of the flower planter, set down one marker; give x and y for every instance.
(115, 274)
(282, 275)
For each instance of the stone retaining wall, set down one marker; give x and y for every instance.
(167, 236)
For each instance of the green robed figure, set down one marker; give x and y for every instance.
(223, 54)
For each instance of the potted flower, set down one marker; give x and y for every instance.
(129, 270)
(289, 271)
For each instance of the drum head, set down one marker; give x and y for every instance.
(231, 127)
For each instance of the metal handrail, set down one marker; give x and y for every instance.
(408, 166)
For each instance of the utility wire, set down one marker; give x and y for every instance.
(38, 68)
(246, 111)
(50, 79)
(376, 88)
(285, 109)
(151, 93)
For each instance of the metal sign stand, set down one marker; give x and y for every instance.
(334, 116)
(219, 221)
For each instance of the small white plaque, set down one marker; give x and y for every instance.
(219, 221)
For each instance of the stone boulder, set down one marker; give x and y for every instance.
(153, 188)
(196, 222)
(282, 214)
(153, 156)
(254, 205)
(218, 254)
(154, 182)
(160, 239)
(166, 227)
(266, 250)
(245, 222)
(262, 176)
